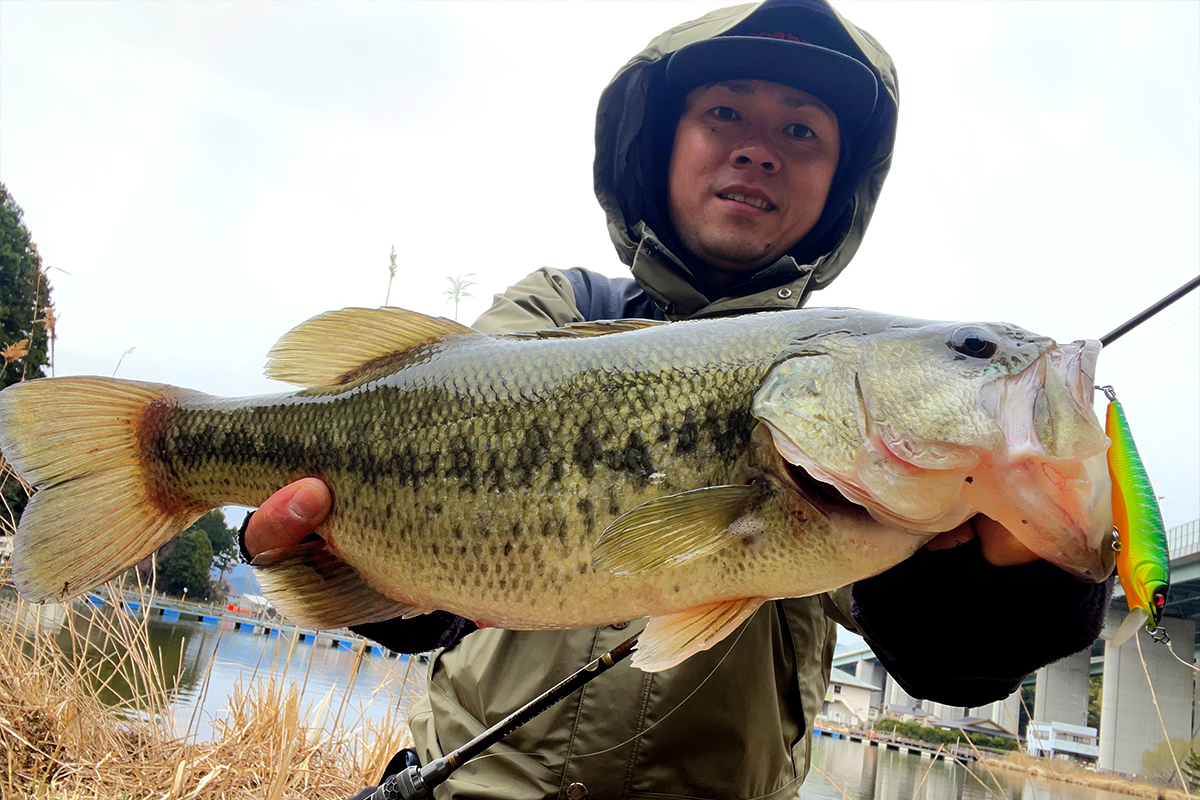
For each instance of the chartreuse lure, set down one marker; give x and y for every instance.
(1142, 561)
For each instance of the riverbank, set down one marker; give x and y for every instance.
(1066, 772)
(65, 737)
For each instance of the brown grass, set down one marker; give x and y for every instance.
(1054, 770)
(59, 740)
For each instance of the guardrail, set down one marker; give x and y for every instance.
(1184, 540)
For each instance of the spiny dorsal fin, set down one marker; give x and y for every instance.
(668, 531)
(331, 347)
(579, 330)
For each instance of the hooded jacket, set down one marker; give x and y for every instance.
(735, 721)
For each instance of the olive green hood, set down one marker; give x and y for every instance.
(626, 177)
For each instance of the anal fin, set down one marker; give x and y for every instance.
(671, 638)
(314, 588)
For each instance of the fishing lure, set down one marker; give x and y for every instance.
(1142, 560)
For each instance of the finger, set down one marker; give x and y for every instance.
(952, 538)
(1001, 548)
(288, 516)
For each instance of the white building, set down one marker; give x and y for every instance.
(1060, 740)
(847, 700)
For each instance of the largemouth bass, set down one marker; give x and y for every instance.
(599, 473)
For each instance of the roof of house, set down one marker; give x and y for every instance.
(981, 725)
(846, 679)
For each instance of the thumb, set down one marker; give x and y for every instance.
(288, 516)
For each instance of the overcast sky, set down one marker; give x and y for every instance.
(204, 176)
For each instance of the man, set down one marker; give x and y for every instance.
(739, 159)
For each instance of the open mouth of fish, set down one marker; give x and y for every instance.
(1044, 478)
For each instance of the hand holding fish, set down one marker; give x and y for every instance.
(288, 516)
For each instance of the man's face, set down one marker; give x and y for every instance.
(749, 174)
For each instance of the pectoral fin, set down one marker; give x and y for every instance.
(672, 530)
(314, 588)
(671, 638)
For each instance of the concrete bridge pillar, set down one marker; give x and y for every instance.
(1129, 725)
(1062, 690)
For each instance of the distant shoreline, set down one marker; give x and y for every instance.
(1068, 773)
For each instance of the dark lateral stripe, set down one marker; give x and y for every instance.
(342, 437)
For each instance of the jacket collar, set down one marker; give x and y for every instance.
(672, 287)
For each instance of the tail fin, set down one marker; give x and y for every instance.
(76, 441)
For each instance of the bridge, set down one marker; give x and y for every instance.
(1129, 724)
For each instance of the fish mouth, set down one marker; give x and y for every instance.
(1051, 489)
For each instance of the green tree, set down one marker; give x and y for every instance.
(26, 328)
(26, 312)
(187, 566)
(1095, 685)
(1191, 768)
(222, 538)
(1159, 763)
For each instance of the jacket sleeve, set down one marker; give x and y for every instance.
(951, 628)
(543, 299)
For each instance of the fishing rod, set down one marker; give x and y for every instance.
(418, 783)
(1121, 330)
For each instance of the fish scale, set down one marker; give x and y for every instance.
(530, 460)
(588, 475)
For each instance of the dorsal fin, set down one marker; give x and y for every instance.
(329, 348)
(584, 329)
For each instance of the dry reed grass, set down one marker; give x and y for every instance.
(61, 737)
(58, 739)
(1070, 773)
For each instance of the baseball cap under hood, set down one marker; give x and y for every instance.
(629, 181)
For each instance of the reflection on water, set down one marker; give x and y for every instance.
(863, 772)
(201, 663)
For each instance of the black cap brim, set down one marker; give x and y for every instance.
(843, 83)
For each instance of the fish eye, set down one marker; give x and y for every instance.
(974, 342)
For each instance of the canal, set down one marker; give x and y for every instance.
(205, 665)
(846, 770)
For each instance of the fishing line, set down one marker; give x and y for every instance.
(1126, 327)
(1139, 346)
(1154, 699)
(1192, 667)
(630, 740)
(679, 705)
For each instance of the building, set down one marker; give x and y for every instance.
(1061, 740)
(847, 700)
